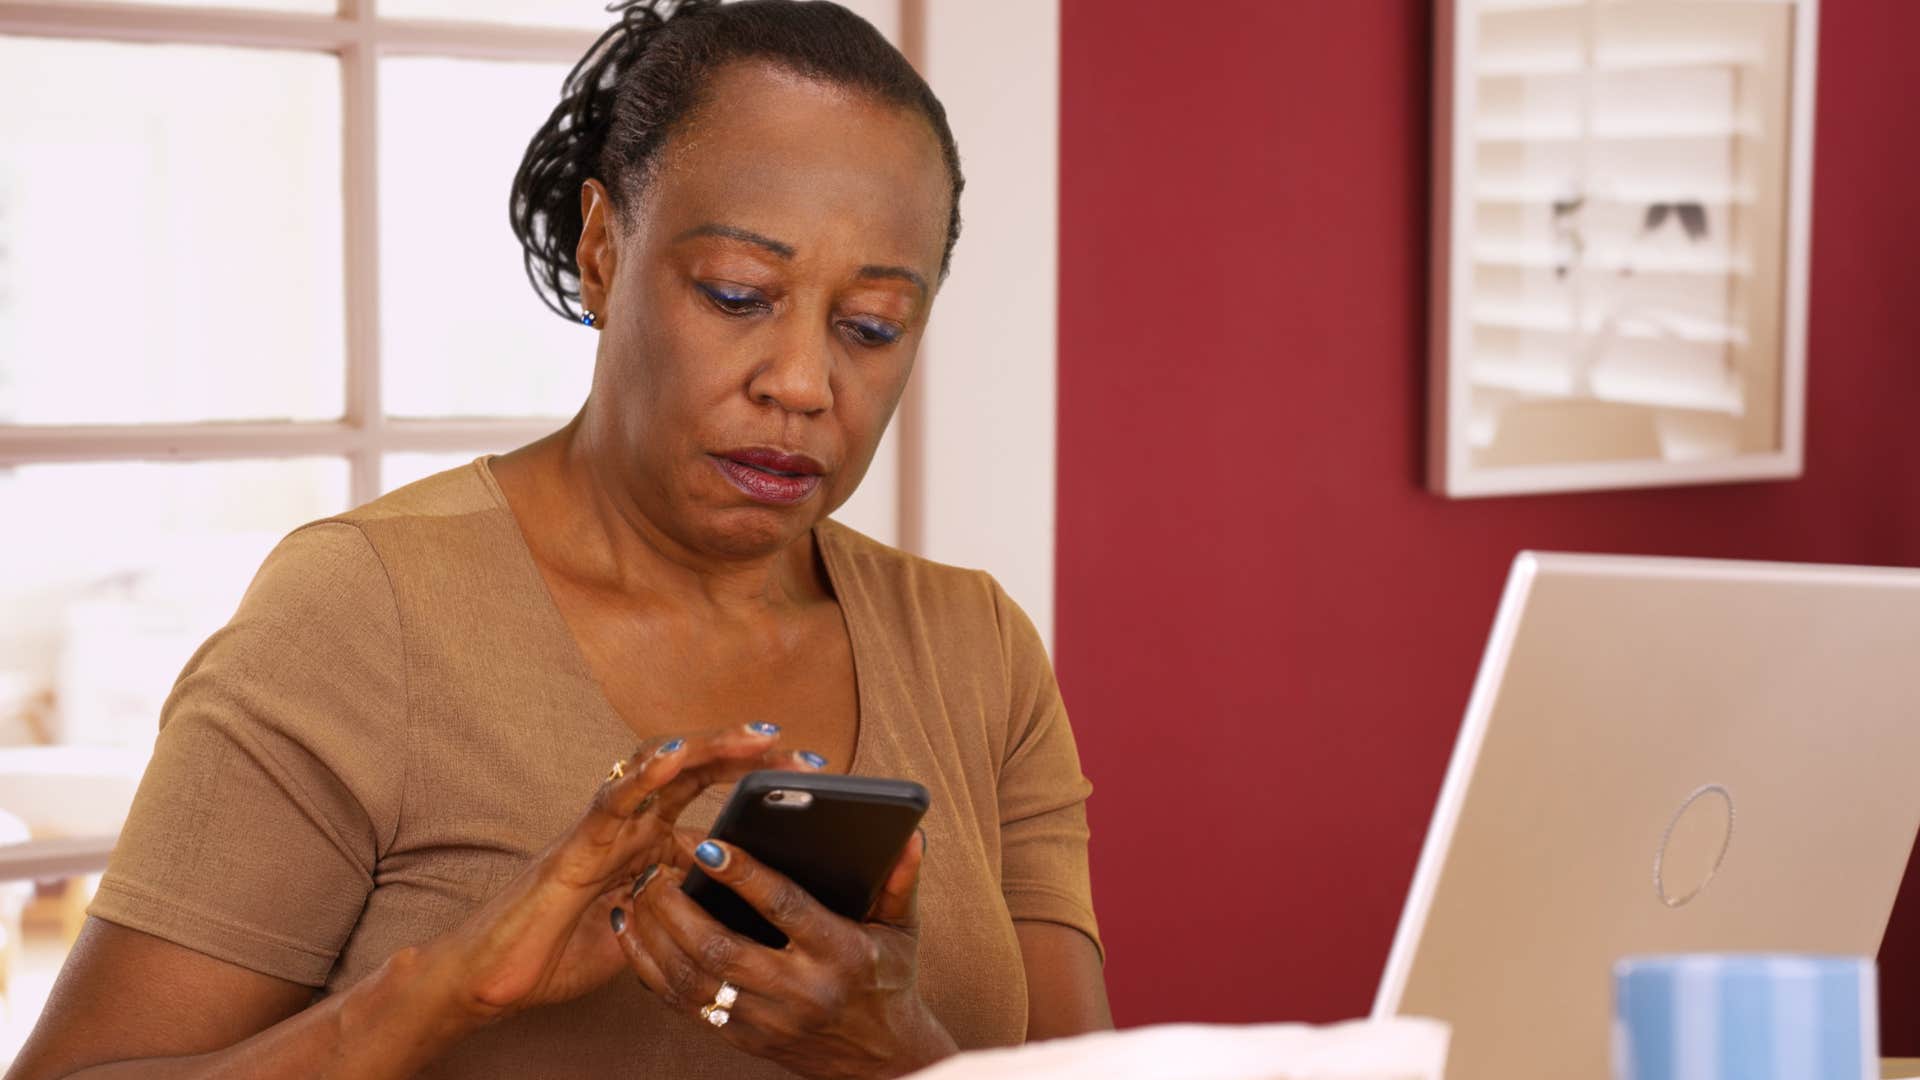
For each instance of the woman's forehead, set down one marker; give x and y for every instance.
(798, 159)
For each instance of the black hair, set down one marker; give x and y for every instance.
(643, 77)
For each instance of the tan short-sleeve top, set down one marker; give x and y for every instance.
(397, 718)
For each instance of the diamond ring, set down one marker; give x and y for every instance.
(720, 1010)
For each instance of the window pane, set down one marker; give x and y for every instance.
(127, 568)
(323, 7)
(463, 333)
(586, 14)
(399, 470)
(170, 236)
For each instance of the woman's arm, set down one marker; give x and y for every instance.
(130, 1005)
(1066, 989)
(1043, 842)
(133, 1005)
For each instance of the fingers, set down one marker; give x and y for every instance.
(686, 973)
(774, 895)
(898, 903)
(638, 958)
(662, 776)
(659, 762)
(642, 941)
(675, 794)
(679, 935)
(685, 840)
(661, 964)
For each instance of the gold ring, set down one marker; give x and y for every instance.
(619, 770)
(720, 1010)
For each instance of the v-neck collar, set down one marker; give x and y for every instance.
(826, 540)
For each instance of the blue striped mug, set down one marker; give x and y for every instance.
(1745, 1017)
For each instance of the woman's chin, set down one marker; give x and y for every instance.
(737, 522)
(752, 531)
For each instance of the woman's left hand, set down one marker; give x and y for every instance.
(839, 1001)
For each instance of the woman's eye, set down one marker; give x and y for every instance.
(734, 301)
(871, 333)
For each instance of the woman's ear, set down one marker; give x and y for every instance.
(595, 254)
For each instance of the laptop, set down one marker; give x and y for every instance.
(1659, 755)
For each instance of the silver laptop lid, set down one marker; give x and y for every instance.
(1659, 755)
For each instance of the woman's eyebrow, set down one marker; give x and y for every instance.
(899, 273)
(785, 251)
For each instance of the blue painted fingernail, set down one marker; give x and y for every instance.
(619, 920)
(813, 759)
(761, 727)
(641, 882)
(670, 746)
(710, 854)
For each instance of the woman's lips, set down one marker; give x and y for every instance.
(763, 483)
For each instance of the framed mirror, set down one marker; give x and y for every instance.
(1621, 194)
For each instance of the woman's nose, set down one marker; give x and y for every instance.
(798, 377)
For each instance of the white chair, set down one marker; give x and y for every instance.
(13, 904)
(1400, 1049)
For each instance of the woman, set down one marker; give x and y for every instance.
(359, 851)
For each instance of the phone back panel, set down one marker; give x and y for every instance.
(838, 842)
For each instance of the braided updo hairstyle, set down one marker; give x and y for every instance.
(642, 79)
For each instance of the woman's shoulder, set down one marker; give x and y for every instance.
(911, 591)
(434, 519)
(420, 539)
(457, 492)
(420, 512)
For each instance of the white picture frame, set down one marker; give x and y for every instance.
(1621, 212)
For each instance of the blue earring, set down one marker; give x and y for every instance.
(588, 317)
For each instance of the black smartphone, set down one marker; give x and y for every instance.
(836, 836)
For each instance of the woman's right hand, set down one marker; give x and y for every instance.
(545, 937)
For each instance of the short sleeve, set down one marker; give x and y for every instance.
(1042, 792)
(276, 777)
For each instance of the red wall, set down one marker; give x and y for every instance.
(1267, 628)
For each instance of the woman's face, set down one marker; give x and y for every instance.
(761, 307)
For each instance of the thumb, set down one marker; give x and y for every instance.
(898, 902)
(688, 840)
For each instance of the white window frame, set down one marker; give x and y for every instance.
(359, 37)
(364, 434)
(994, 509)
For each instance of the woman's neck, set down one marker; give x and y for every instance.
(585, 524)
